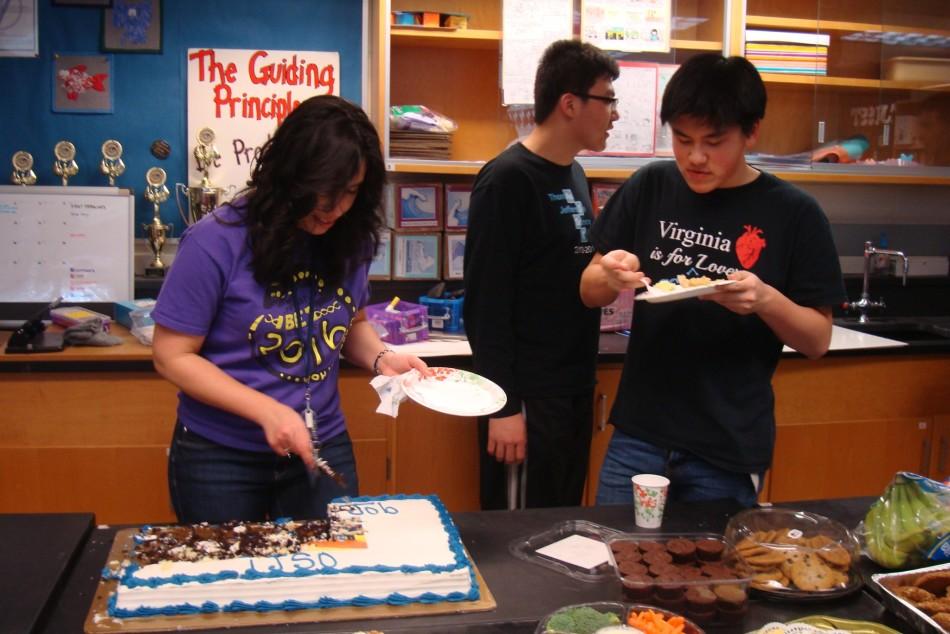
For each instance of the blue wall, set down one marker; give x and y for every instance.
(149, 97)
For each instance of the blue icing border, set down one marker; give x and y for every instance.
(455, 545)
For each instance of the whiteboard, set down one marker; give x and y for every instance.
(74, 242)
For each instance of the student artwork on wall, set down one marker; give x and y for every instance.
(664, 136)
(600, 193)
(82, 83)
(456, 206)
(381, 268)
(416, 256)
(419, 206)
(133, 26)
(454, 256)
(633, 133)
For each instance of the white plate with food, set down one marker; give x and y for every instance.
(667, 291)
(456, 392)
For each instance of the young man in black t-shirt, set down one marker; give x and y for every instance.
(695, 401)
(528, 243)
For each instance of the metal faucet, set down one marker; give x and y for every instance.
(866, 304)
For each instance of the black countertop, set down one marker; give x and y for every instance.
(524, 591)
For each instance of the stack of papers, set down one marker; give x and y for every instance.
(788, 52)
(418, 144)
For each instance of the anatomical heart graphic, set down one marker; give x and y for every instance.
(749, 246)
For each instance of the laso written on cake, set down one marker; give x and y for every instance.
(371, 551)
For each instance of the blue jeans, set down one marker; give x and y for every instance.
(691, 478)
(209, 482)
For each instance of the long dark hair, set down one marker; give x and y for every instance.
(315, 152)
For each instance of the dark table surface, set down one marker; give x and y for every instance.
(36, 552)
(524, 591)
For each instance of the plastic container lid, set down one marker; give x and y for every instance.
(527, 548)
(795, 555)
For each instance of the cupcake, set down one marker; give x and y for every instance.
(732, 602)
(647, 546)
(709, 549)
(631, 568)
(657, 557)
(701, 603)
(637, 588)
(670, 586)
(681, 550)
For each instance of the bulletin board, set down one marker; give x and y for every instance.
(74, 242)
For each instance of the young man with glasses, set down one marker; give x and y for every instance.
(695, 401)
(528, 242)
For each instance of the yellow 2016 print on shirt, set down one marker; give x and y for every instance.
(305, 332)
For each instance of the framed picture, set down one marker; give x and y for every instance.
(454, 256)
(133, 26)
(456, 206)
(419, 206)
(417, 256)
(600, 193)
(82, 83)
(83, 3)
(381, 268)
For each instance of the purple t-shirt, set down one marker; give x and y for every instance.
(254, 333)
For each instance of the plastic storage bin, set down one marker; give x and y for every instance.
(399, 322)
(445, 313)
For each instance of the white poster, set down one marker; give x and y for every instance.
(627, 25)
(529, 26)
(634, 132)
(664, 136)
(243, 95)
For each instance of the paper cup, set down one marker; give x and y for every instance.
(649, 499)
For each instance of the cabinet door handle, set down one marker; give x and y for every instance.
(925, 457)
(602, 419)
(942, 458)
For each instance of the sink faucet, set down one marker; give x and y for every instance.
(865, 303)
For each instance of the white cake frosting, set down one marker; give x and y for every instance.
(406, 549)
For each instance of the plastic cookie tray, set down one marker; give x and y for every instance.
(795, 555)
(697, 575)
(527, 548)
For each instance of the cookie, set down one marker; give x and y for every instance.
(812, 574)
(942, 619)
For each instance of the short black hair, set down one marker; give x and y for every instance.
(722, 91)
(569, 66)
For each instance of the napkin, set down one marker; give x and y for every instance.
(391, 393)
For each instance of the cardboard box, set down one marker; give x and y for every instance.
(933, 69)
(399, 322)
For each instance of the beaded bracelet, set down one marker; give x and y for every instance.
(378, 357)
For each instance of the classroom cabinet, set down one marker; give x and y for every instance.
(888, 68)
(844, 425)
(885, 87)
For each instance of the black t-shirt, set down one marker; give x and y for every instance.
(528, 243)
(697, 377)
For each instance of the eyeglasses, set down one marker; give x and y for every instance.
(610, 101)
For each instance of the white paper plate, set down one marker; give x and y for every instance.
(456, 392)
(657, 296)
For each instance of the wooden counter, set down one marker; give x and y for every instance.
(87, 429)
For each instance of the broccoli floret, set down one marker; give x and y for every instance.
(583, 620)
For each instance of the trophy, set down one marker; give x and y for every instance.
(156, 192)
(65, 164)
(111, 164)
(204, 197)
(23, 173)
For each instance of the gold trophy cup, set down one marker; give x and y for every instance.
(65, 164)
(111, 164)
(204, 197)
(23, 173)
(156, 192)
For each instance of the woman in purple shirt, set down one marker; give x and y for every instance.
(264, 296)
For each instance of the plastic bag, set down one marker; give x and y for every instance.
(143, 326)
(420, 118)
(909, 525)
